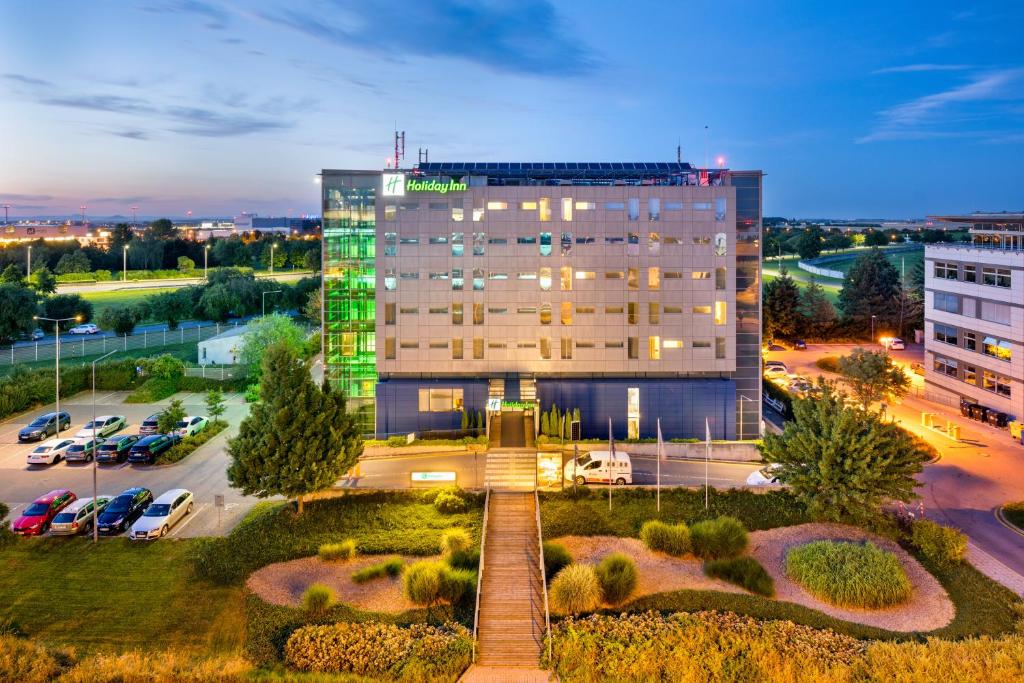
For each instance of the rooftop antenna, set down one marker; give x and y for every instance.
(423, 155)
(679, 152)
(399, 147)
(705, 146)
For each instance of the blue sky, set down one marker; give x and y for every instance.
(869, 109)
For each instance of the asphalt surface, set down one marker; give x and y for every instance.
(972, 478)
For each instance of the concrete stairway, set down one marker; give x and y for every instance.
(511, 470)
(511, 622)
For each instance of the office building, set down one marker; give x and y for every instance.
(974, 314)
(630, 291)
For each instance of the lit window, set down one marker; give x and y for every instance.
(545, 244)
(673, 309)
(389, 314)
(654, 278)
(497, 276)
(545, 348)
(478, 314)
(633, 278)
(584, 345)
(653, 243)
(613, 275)
(631, 316)
(390, 212)
(720, 312)
(478, 348)
(478, 215)
(613, 310)
(702, 310)
(566, 313)
(566, 209)
(443, 310)
(613, 345)
(527, 309)
(457, 214)
(584, 309)
(566, 348)
(390, 281)
(410, 345)
(585, 206)
(457, 280)
(389, 348)
(526, 345)
(526, 276)
(672, 344)
(702, 239)
(990, 346)
(566, 277)
(585, 275)
(544, 209)
(348, 343)
(945, 366)
(456, 314)
(545, 279)
(545, 314)
(497, 309)
(654, 348)
(497, 206)
(669, 239)
(456, 349)
(497, 345)
(528, 206)
(653, 313)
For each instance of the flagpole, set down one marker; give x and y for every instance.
(611, 459)
(707, 457)
(659, 465)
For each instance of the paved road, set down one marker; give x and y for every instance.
(972, 478)
(113, 286)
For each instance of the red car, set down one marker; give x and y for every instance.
(36, 518)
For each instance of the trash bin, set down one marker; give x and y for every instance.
(965, 408)
(954, 432)
(997, 419)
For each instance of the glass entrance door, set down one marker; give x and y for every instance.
(633, 413)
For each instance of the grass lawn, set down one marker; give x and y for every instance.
(127, 297)
(115, 597)
(1014, 514)
(187, 352)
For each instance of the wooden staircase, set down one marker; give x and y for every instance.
(511, 623)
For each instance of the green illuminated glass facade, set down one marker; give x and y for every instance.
(349, 234)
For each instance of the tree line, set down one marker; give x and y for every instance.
(814, 240)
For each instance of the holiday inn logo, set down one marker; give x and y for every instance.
(397, 184)
(394, 185)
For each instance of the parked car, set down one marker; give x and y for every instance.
(77, 517)
(105, 426)
(122, 512)
(800, 345)
(116, 448)
(36, 518)
(776, 364)
(82, 450)
(776, 347)
(598, 467)
(191, 425)
(37, 334)
(776, 371)
(43, 426)
(49, 452)
(897, 344)
(149, 447)
(84, 328)
(150, 425)
(766, 476)
(162, 515)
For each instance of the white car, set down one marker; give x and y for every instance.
(776, 371)
(105, 426)
(191, 425)
(897, 344)
(85, 328)
(766, 476)
(77, 517)
(49, 452)
(161, 515)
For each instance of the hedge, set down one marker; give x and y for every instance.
(24, 389)
(186, 446)
(849, 574)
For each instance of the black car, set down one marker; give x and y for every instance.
(116, 448)
(121, 512)
(149, 447)
(800, 345)
(149, 425)
(43, 426)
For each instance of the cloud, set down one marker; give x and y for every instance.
(207, 123)
(917, 68)
(6, 197)
(523, 37)
(27, 80)
(131, 134)
(106, 103)
(216, 18)
(933, 116)
(134, 199)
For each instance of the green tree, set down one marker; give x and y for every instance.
(169, 307)
(872, 376)
(871, 287)
(219, 302)
(185, 264)
(875, 238)
(67, 306)
(809, 244)
(837, 240)
(264, 332)
(817, 312)
(215, 404)
(75, 262)
(464, 421)
(12, 275)
(121, 319)
(161, 229)
(311, 260)
(165, 366)
(545, 424)
(120, 236)
(17, 306)
(312, 310)
(43, 281)
(170, 417)
(781, 307)
(842, 463)
(298, 439)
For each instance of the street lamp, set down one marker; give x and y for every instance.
(873, 327)
(273, 246)
(206, 261)
(273, 291)
(56, 328)
(124, 268)
(95, 494)
(28, 266)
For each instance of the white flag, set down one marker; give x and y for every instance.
(707, 432)
(661, 442)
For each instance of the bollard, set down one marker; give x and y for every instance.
(924, 419)
(954, 432)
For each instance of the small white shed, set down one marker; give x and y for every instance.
(224, 348)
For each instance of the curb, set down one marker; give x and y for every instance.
(998, 514)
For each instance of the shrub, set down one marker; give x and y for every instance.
(159, 666)
(152, 390)
(938, 543)
(617, 575)
(849, 574)
(189, 444)
(25, 660)
(575, 589)
(422, 581)
(717, 538)
(450, 503)
(456, 584)
(389, 567)
(555, 558)
(317, 599)
(332, 552)
(455, 540)
(745, 572)
(828, 364)
(673, 539)
(382, 651)
(464, 559)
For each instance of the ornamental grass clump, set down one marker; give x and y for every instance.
(556, 556)
(575, 589)
(673, 539)
(940, 544)
(849, 574)
(450, 502)
(334, 552)
(317, 599)
(745, 572)
(389, 567)
(431, 581)
(618, 577)
(713, 539)
(455, 540)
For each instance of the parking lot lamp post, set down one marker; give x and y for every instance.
(56, 328)
(95, 495)
(206, 262)
(124, 267)
(273, 291)
(28, 266)
(873, 327)
(273, 246)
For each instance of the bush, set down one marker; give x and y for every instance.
(152, 390)
(158, 666)
(186, 446)
(317, 599)
(673, 539)
(450, 503)
(618, 576)
(575, 589)
(464, 559)
(26, 661)
(455, 540)
(938, 543)
(555, 558)
(382, 651)
(421, 582)
(456, 584)
(333, 552)
(849, 574)
(745, 572)
(389, 567)
(717, 538)
(828, 364)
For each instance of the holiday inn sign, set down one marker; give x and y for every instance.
(397, 184)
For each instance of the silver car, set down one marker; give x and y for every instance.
(49, 452)
(77, 517)
(105, 426)
(162, 514)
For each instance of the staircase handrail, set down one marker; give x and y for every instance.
(543, 573)
(480, 570)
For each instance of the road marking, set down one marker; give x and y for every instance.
(998, 514)
(188, 518)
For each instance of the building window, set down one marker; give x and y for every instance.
(702, 206)
(634, 209)
(632, 315)
(412, 275)
(478, 214)
(497, 309)
(970, 341)
(720, 208)
(672, 275)
(458, 282)
(544, 210)
(526, 276)
(410, 345)
(389, 348)
(672, 344)
(633, 278)
(995, 277)
(526, 345)
(528, 206)
(720, 278)
(478, 348)
(653, 313)
(497, 240)
(945, 271)
(390, 243)
(720, 348)
(653, 243)
(440, 400)
(438, 239)
(390, 212)
(949, 303)
(458, 248)
(585, 206)
(702, 344)
(526, 239)
(614, 206)
(700, 275)
(443, 275)
(993, 382)
(566, 243)
(457, 349)
(701, 310)
(443, 310)
(497, 276)
(545, 279)
(348, 343)
(613, 275)
(545, 244)
(632, 244)
(633, 348)
(566, 278)
(566, 348)
(479, 240)
(545, 314)
(945, 366)
(971, 374)
(497, 206)
(654, 348)
(566, 209)
(456, 314)
(721, 309)
(613, 310)
(584, 309)
(970, 273)
(566, 313)
(497, 345)
(478, 314)
(438, 206)
(389, 314)
(390, 281)
(945, 334)
(545, 348)
(997, 348)
(613, 345)
(654, 278)
(584, 345)
(669, 239)
(527, 309)
(702, 239)
(654, 209)
(673, 309)
(478, 279)
(673, 206)
(585, 275)
(995, 313)
(458, 214)
(409, 310)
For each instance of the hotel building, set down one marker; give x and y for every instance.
(630, 291)
(974, 314)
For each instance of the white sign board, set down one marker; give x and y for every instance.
(394, 185)
(433, 476)
(494, 405)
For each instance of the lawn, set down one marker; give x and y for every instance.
(187, 352)
(1014, 514)
(123, 297)
(116, 597)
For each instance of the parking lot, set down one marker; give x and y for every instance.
(203, 472)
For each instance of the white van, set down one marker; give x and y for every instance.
(596, 467)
